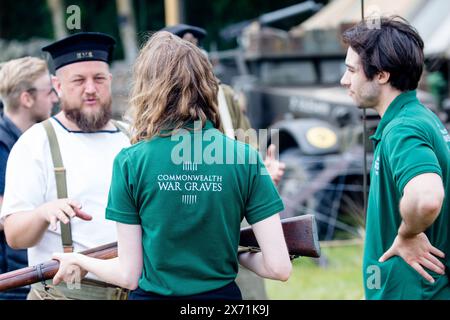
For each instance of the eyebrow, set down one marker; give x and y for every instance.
(350, 67)
(83, 76)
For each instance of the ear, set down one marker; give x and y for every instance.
(56, 84)
(26, 99)
(383, 77)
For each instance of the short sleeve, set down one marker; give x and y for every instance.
(26, 177)
(263, 198)
(121, 202)
(410, 154)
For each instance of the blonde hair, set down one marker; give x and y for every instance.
(173, 84)
(17, 76)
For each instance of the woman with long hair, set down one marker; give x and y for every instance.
(180, 192)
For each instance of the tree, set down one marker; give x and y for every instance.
(25, 19)
(127, 29)
(57, 13)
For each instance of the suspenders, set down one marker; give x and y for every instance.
(60, 176)
(61, 183)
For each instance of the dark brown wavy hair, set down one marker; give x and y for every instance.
(393, 46)
(173, 84)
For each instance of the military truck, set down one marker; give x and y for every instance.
(291, 85)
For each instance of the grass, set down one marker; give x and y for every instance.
(341, 279)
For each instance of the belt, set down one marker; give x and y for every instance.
(97, 283)
(118, 294)
(88, 289)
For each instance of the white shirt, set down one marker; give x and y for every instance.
(30, 182)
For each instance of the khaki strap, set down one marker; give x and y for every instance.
(61, 183)
(121, 128)
(225, 114)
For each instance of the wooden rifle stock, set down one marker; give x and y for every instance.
(48, 269)
(300, 234)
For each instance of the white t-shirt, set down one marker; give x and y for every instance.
(30, 182)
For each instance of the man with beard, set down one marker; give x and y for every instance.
(407, 248)
(40, 190)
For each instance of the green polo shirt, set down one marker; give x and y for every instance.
(190, 208)
(410, 140)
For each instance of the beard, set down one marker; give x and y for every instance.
(369, 95)
(88, 122)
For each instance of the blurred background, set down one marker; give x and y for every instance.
(284, 59)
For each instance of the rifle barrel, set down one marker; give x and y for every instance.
(300, 234)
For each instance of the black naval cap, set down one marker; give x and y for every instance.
(82, 46)
(181, 29)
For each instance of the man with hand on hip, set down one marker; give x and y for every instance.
(407, 249)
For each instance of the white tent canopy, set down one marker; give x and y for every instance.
(430, 17)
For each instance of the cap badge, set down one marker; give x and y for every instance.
(86, 54)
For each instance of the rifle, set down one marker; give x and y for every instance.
(300, 234)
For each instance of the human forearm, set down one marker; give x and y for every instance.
(273, 260)
(123, 271)
(255, 263)
(24, 229)
(110, 271)
(419, 207)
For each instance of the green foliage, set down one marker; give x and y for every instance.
(149, 15)
(99, 16)
(24, 19)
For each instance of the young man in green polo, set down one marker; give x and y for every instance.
(407, 247)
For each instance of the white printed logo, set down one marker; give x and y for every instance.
(189, 181)
(376, 166)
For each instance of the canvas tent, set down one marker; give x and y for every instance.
(430, 17)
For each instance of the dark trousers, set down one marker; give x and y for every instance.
(229, 292)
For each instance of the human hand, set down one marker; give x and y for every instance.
(69, 271)
(418, 252)
(62, 210)
(273, 166)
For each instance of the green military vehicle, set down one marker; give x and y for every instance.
(291, 85)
